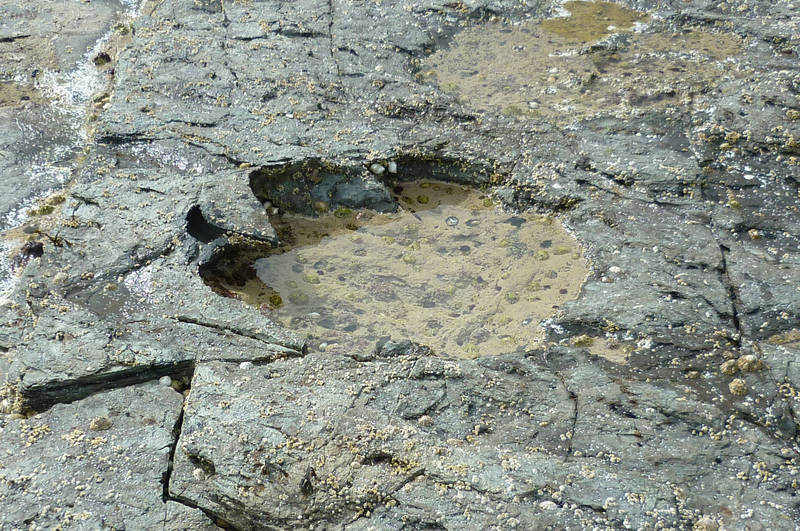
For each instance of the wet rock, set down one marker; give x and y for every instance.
(390, 349)
(227, 203)
(31, 249)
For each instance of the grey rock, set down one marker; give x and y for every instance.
(227, 203)
(390, 349)
(687, 213)
(430, 438)
(59, 472)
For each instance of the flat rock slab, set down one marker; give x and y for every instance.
(95, 463)
(509, 442)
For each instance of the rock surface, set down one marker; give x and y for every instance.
(98, 462)
(687, 208)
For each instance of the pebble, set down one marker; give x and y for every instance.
(377, 169)
(245, 365)
(705, 524)
(451, 221)
(392, 167)
(100, 424)
(166, 381)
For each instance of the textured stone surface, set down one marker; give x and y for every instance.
(98, 462)
(508, 442)
(687, 210)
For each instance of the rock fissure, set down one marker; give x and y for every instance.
(229, 329)
(218, 521)
(330, 36)
(42, 398)
(14, 38)
(570, 434)
(176, 434)
(733, 296)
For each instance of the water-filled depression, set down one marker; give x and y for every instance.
(449, 270)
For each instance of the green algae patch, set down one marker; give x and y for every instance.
(452, 272)
(561, 70)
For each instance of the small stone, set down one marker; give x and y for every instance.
(451, 221)
(425, 420)
(166, 381)
(311, 278)
(738, 387)
(705, 524)
(548, 505)
(392, 167)
(749, 363)
(376, 168)
(693, 375)
(100, 423)
(198, 474)
(246, 365)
